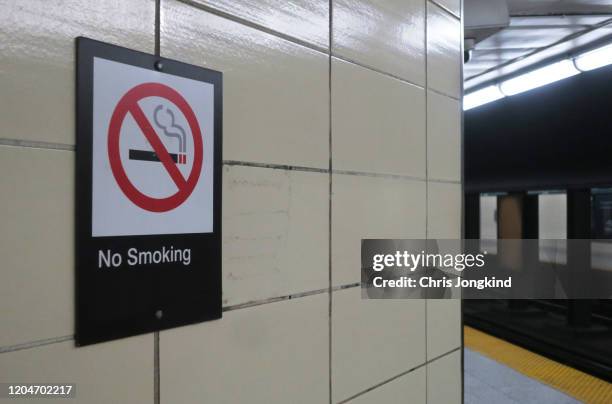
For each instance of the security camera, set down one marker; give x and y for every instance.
(467, 55)
(468, 47)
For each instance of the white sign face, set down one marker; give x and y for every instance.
(152, 152)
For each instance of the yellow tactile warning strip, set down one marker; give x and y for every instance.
(575, 383)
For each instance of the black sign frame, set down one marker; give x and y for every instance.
(120, 302)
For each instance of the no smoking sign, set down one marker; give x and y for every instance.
(148, 245)
(169, 100)
(153, 152)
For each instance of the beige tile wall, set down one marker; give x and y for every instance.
(36, 292)
(454, 6)
(407, 388)
(444, 56)
(444, 190)
(112, 372)
(444, 222)
(388, 35)
(275, 233)
(275, 92)
(271, 353)
(378, 122)
(371, 207)
(444, 379)
(37, 63)
(443, 137)
(376, 99)
(373, 340)
(304, 20)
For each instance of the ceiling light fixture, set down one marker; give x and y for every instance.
(481, 97)
(539, 77)
(590, 60)
(594, 59)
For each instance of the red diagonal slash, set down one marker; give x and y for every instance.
(157, 145)
(129, 104)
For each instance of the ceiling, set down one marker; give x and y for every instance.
(538, 30)
(556, 7)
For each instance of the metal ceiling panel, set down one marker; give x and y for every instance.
(534, 38)
(520, 38)
(558, 21)
(557, 7)
(499, 55)
(583, 40)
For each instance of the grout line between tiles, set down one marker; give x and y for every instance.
(251, 24)
(427, 362)
(445, 9)
(156, 352)
(381, 175)
(462, 209)
(35, 344)
(157, 27)
(66, 147)
(273, 300)
(443, 181)
(426, 47)
(443, 94)
(329, 210)
(289, 297)
(274, 166)
(333, 171)
(286, 167)
(156, 369)
(376, 70)
(36, 144)
(55, 340)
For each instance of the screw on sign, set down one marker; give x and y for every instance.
(129, 104)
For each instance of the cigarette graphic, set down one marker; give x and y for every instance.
(178, 133)
(146, 155)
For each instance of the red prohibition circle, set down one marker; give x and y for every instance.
(129, 103)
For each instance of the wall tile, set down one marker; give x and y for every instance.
(371, 207)
(37, 205)
(307, 20)
(405, 389)
(37, 63)
(454, 6)
(276, 93)
(373, 340)
(444, 380)
(443, 137)
(444, 222)
(275, 226)
(273, 353)
(387, 35)
(113, 372)
(444, 210)
(443, 326)
(444, 59)
(378, 122)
